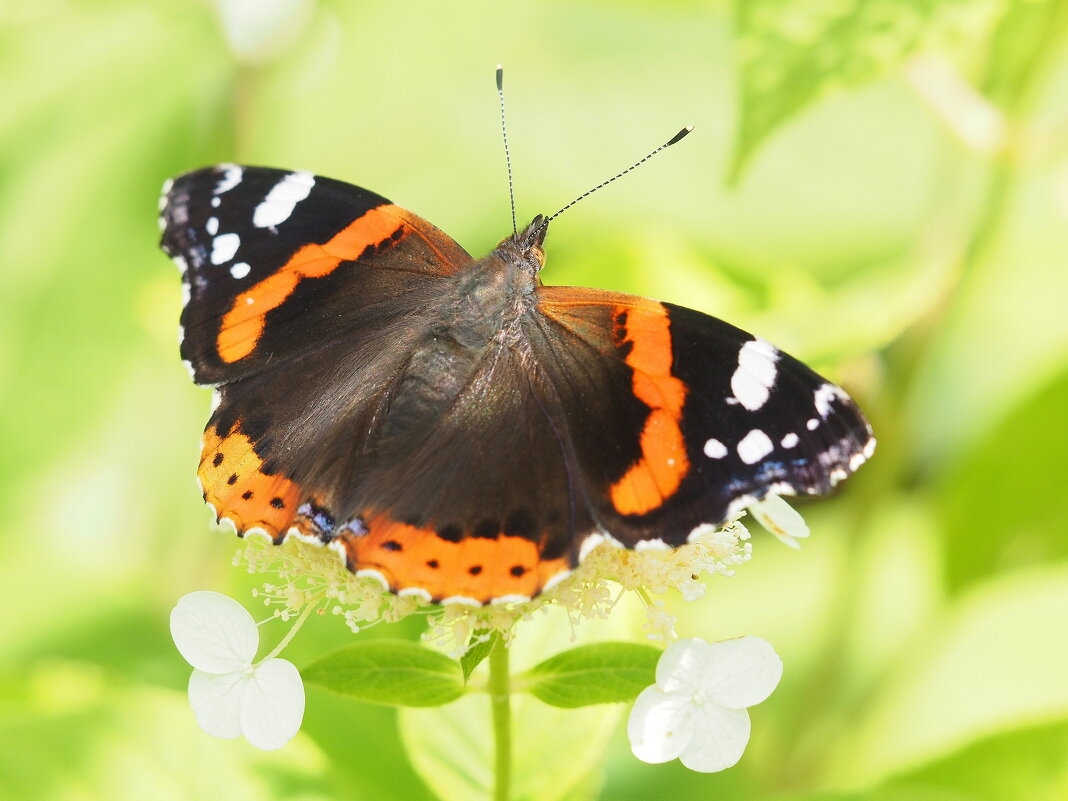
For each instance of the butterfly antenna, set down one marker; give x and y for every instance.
(507, 154)
(633, 166)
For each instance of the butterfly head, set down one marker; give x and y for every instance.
(526, 246)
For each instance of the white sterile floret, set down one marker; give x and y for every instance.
(232, 697)
(781, 519)
(696, 711)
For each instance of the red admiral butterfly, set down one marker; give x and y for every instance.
(453, 426)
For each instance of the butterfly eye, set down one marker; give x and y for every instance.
(538, 254)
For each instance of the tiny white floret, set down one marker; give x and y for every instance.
(230, 695)
(696, 711)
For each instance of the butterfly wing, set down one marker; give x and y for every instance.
(276, 263)
(436, 471)
(678, 419)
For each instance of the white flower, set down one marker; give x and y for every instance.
(696, 711)
(230, 695)
(781, 519)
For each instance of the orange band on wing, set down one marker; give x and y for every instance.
(663, 463)
(479, 568)
(242, 326)
(231, 475)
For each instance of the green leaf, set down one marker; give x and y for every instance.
(472, 658)
(1016, 519)
(789, 54)
(1039, 770)
(600, 673)
(389, 672)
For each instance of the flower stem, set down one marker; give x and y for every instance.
(289, 635)
(500, 703)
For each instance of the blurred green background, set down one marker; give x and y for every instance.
(879, 187)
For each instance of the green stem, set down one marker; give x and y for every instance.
(289, 635)
(500, 702)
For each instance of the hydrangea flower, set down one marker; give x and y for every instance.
(781, 519)
(232, 697)
(307, 573)
(696, 711)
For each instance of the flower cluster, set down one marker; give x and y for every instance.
(696, 710)
(307, 573)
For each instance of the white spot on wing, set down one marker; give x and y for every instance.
(755, 376)
(510, 599)
(166, 190)
(754, 446)
(588, 544)
(812, 424)
(553, 581)
(790, 440)
(240, 270)
(418, 592)
(215, 202)
(212, 226)
(826, 393)
(714, 449)
(373, 574)
(231, 178)
(223, 248)
(462, 600)
(282, 199)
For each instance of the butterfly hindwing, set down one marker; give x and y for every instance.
(275, 262)
(452, 484)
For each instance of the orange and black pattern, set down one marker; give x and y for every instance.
(451, 425)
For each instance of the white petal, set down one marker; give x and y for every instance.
(681, 666)
(741, 672)
(719, 739)
(214, 632)
(272, 704)
(781, 519)
(216, 702)
(660, 725)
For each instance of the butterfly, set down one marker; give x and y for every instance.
(452, 426)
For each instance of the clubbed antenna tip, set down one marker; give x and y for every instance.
(633, 166)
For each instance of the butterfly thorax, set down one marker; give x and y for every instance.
(491, 294)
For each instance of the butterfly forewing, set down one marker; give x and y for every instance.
(277, 262)
(703, 419)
